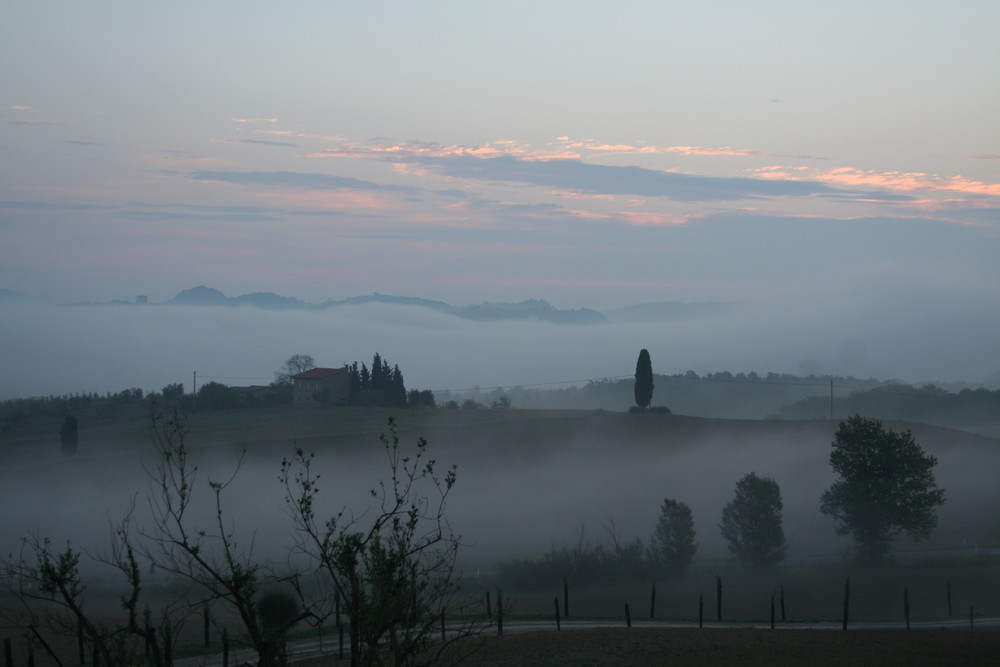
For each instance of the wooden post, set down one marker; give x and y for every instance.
(31, 656)
(847, 600)
(499, 612)
(906, 606)
(8, 653)
(168, 644)
(97, 656)
(489, 607)
(701, 610)
(79, 641)
(443, 638)
(225, 648)
(718, 598)
(150, 631)
(565, 597)
(972, 615)
(652, 603)
(340, 641)
(772, 611)
(206, 620)
(782, 603)
(949, 596)
(558, 624)
(628, 616)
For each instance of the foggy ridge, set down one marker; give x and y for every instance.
(538, 309)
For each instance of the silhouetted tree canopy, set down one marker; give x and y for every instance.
(295, 364)
(382, 386)
(643, 380)
(751, 522)
(673, 540)
(885, 485)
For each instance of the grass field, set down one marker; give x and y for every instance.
(529, 481)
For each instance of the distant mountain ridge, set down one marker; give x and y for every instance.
(529, 309)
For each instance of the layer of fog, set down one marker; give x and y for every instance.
(56, 350)
(513, 499)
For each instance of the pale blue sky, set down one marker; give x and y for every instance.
(591, 153)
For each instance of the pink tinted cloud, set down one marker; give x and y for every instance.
(254, 120)
(907, 181)
(646, 218)
(338, 200)
(418, 148)
(563, 149)
(635, 218)
(593, 145)
(36, 123)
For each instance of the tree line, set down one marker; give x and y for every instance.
(884, 486)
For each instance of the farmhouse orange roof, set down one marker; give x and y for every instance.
(319, 373)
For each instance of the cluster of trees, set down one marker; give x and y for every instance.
(751, 525)
(389, 569)
(885, 485)
(380, 386)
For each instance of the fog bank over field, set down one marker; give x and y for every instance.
(47, 350)
(527, 481)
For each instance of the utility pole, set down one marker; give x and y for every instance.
(194, 390)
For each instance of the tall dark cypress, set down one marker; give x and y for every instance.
(643, 380)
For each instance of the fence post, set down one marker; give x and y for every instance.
(782, 603)
(971, 616)
(499, 612)
(652, 603)
(79, 641)
(489, 607)
(718, 598)
(206, 621)
(8, 654)
(772, 611)
(701, 610)
(168, 644)
(847, 600)
(949, 596)
(628, 616)
(906, 606)
(565, 597)
(225, 648)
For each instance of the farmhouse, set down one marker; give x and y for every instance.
(321, 385)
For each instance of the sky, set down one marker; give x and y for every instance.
(593, 154)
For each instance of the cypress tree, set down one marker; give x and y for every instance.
(643, 380)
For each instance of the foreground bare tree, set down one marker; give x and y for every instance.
(49, 598)
(393, 567)
(210, 557)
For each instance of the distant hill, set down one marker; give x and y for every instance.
(209, 296)
(529, 309)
